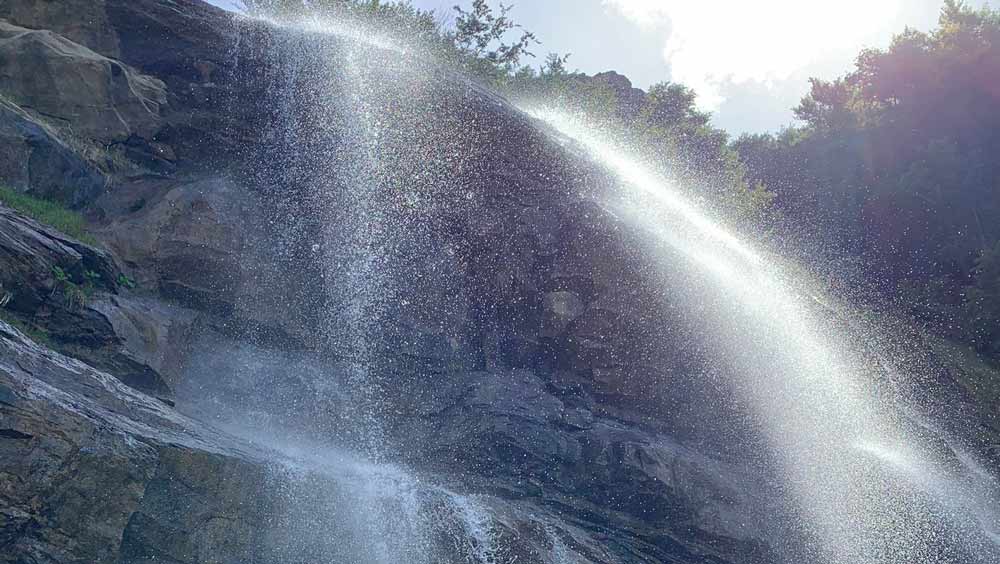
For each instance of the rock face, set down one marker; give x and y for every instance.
(550, 442)
(81, 456)
(93, 471)
(82, 22)
(88, 113)
(32, 252)
(184, 237)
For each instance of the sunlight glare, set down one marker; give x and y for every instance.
(711, 44)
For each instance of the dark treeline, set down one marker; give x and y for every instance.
(896, 168)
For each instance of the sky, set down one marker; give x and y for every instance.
(749, 61)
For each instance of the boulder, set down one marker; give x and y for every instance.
(81, 21)
(215, 245)
(203, 127)
(76, 89)
(184, 238)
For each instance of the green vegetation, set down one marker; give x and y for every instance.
(49, 213)
(663, 123)
(126, 282)
(896, 165)
(75, 294)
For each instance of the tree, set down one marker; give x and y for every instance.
(668, 104)
(480, 34)
(830, 106)
(895, 163)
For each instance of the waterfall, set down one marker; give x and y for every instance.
(364, 172)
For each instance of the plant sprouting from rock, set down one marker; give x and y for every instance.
(75, 294)
(126, 282)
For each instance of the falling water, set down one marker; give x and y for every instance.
(330, 158)
(333, 206)
(866, 486)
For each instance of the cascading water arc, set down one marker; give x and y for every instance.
(866, 487)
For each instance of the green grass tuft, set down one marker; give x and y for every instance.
(49, 213)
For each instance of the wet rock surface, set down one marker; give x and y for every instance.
(80, 451)
(103, 99)
(510, 364)
(487, 360)
(93, 471)
(528, 439)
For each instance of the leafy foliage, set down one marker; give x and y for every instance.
(479, 35)
(73, 293)
(664, 121)
(126, 282)
(49, 213)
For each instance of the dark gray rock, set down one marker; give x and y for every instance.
(149, 347)
(81, 21)
(31, 252)
(516, 341)
(184, 238)
(630, 98)
(203, 128)
(523, 439)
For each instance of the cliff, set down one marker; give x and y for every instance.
(328, 326)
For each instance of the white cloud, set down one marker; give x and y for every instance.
(709, 44)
